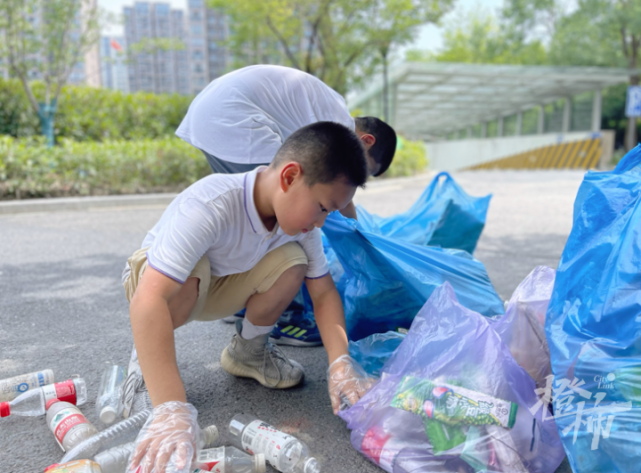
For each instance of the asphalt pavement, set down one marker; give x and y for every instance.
(63, 307)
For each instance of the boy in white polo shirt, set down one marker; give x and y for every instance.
(240, 241)
(241, 119)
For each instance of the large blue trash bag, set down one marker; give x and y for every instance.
(387, 281)
(453, 399)
(593, 324)
(444, 215)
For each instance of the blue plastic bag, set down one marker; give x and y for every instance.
(444, 215)
(373, 352)
(453, 399)
(386, 281)
(593, 324)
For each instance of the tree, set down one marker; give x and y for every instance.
(45, 39)
(395, 22)
(330, 39)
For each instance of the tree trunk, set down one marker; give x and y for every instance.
(631, 138)
(385, 87)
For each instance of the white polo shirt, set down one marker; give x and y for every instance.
(217, 217)
(245, 116)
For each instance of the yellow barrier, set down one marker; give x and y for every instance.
(584, 154)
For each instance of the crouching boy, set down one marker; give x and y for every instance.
(238, 241)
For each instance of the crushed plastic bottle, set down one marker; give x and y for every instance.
(82, 466)
(13, 387)
(108, 405)
(230, 460)
(34, 401)
(116, 459)
(282, 451)
(68, 424)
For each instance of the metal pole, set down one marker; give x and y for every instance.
(484, 130)
(566, 115)
(519, 123)
(499, 127)
(540, 128)
(596, 110)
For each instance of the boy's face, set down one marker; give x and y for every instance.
(300, 208)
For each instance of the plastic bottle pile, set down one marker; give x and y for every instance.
(89, 451)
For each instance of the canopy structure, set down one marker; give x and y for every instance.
(430, 100)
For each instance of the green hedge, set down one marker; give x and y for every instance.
(29, 169)
(410, 158)
(87, 113)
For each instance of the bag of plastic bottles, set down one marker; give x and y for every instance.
(444, 215)
(387, 281)
(453, 399)
(593, 325)
(522, 328)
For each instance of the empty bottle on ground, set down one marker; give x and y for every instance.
(116, 459)
(282, 451)
(68, 424)
(34, 401)
(108, 405)
(11, 388)
(82, 466)
(230, 460)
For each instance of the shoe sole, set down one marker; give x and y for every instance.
(231, 319)
(292, 342)
(238, 369)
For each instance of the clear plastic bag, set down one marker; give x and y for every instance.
(452, 398)
(373, 352)
(522, 328)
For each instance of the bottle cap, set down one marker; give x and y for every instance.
(108, 414)
(51, 467)
(259, 463)
(5, 409)
(51, 401)
(210, 435)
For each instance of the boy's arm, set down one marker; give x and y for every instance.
(153, 332)
(346, 379)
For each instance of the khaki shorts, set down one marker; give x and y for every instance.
(220, 297)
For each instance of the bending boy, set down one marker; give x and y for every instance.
(240, 241)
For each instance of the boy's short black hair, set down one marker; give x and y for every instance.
(326, 151)
(383, 150)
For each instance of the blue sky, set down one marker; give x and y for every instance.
(429, 38)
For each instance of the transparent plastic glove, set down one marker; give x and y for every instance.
(167, 442)
(347, 382)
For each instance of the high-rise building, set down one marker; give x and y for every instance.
(208, 57)
(113, 63)
(156, 38)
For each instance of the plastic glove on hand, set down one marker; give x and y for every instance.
(348, 382)
(167, 442)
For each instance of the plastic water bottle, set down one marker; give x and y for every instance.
(34, 401)
(68, 424)
(230, 460)
(108, 405)
(82, 466)
(116, 460)
(282, 451)
(13, 387)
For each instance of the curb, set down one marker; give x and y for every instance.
(61, 204)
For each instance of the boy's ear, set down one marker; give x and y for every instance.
(289, 174)
(368, 140)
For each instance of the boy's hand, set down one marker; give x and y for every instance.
(171, 433)
(348, 382)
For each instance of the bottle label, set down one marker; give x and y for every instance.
(260, 437)
(13, 387)
(78, 466)
(214, 458)
(65, 391)
(65, 420)
(381, 447)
